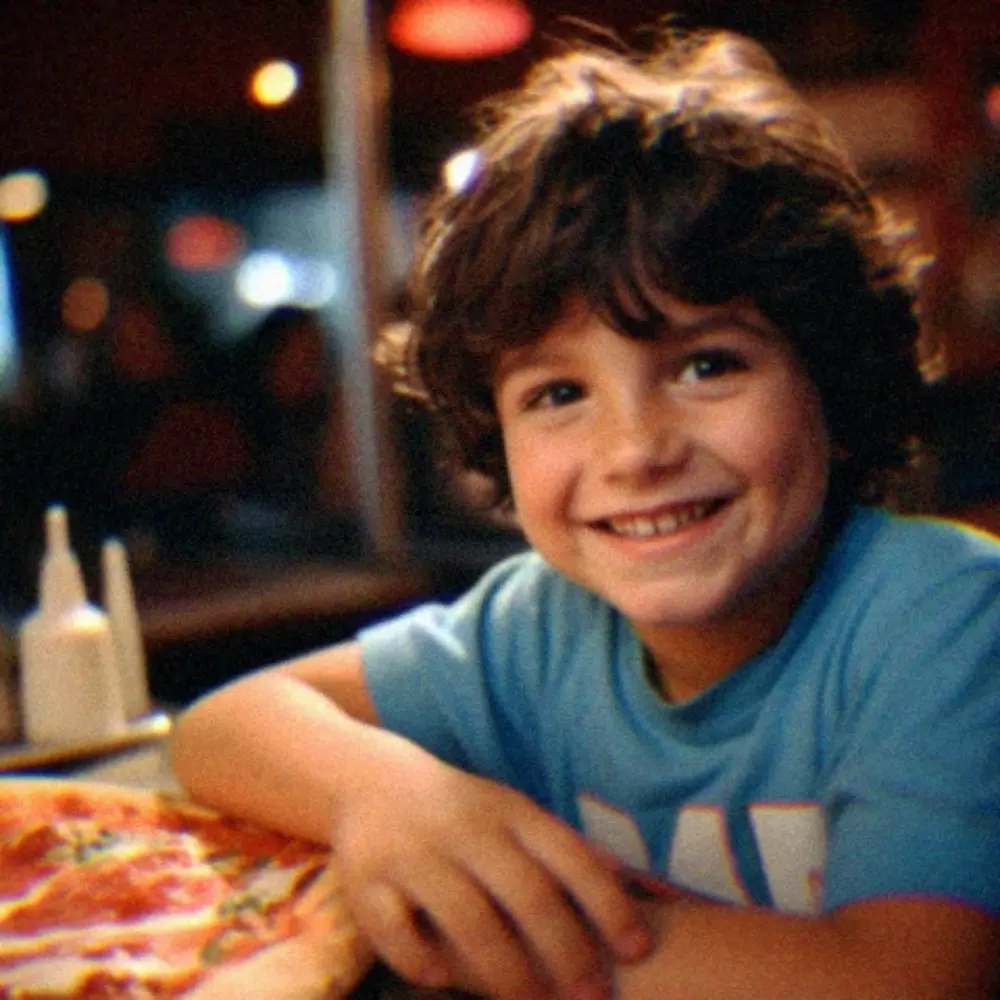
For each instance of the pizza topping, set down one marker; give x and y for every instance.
(27, 859)
(115, 895)
(31, 847)
(83, 845)
(108, 894)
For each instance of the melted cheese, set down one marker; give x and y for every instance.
(157, 928)
(66, 974)
(275, 884)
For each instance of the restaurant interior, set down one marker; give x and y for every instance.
(208, 210)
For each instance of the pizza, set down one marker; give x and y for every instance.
(108, 892)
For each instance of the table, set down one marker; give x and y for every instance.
(146, 768)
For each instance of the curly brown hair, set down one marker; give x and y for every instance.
(693, 168)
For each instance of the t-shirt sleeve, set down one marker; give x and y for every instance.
(465, 680)
(913, 804)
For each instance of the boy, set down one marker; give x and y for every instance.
(667, 321)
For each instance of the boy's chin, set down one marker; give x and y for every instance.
(685, 610)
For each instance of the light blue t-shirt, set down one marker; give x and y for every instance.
(857, 757)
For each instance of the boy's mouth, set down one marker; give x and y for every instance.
(665, 523)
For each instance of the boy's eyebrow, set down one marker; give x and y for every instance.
(735, 315)
(519, 359)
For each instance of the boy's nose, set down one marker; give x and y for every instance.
(643, 439)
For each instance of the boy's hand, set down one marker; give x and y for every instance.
(462, 882)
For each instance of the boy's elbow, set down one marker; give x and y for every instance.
(187, 750)
(204, 741)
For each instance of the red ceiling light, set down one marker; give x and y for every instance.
(459, 29)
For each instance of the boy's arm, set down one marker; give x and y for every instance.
(917, 949)
(297, 747)
(262, 746)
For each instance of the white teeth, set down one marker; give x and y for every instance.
(664, 524)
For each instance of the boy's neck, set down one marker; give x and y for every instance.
(684, 661)
(695, 661)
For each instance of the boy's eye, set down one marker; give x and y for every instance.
(710, 364)
(554, 394)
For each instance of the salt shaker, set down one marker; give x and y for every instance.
(70, 688)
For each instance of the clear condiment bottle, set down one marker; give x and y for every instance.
(70, 687)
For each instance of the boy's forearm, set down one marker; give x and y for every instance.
(895, 949)
(707, 951)
(272, 749)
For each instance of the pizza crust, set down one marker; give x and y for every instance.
(325, 962)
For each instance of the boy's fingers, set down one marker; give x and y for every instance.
(558, 935)
(399, 935)
(594, 887)
(480, 938)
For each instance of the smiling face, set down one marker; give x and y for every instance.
(682, 479)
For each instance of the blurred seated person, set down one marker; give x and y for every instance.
(292, 406)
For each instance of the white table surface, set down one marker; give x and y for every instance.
(148, 767)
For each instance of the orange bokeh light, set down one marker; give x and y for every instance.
(459, 29)
(991, 102)
(85, 304)
(203, 243)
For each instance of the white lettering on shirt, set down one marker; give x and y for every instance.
(615, 830)
(701, 856)
(790, 839)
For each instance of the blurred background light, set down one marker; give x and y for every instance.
(203, 243)
(264, 280)
(267, 279)
(460, 169)
(85, 304)
(9, 360)
(274, 83)
(23, 195)
(991, 102)
(459, 29)
(315, 283)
